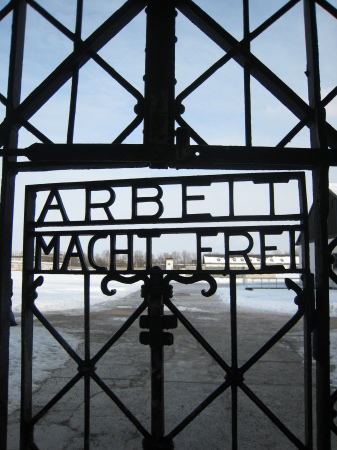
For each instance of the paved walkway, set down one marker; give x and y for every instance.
(190, 376)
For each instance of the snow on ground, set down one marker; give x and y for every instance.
(65, 293)
(52, 298)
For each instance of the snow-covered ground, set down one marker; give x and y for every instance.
(65, 293)
(58, 293)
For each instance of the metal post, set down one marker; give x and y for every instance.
(158, 130)
(308, 287)
(155, 321)
(159, 73)
(155, 311)
(321, 210)
(234, 344)
(246, 76)
(28, 295)
(87, 361)
(7, 206)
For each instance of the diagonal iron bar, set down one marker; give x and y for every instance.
(224, 59)
(194, 135)
(51, 19)
(81, 55)
(198, 336)
(328, 7)
(204, 76)
(129, 129)
(276, 421)
(116, 76)
(28, 126)
(55, 399)
(35, 132)
(203, 405)
(268, 345)
(134, 316)
(120, 405)
(328, 98)
(292, 133)
(71, 352)
(272, 19)
(6, 10)
(258, 70)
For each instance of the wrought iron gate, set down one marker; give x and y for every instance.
(47, 225)
(164, 147)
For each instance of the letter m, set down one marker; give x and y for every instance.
(41, 245)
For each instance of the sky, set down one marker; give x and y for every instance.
(215, 110)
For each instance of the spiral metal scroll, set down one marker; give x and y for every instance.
(194, 279)
(120, 279)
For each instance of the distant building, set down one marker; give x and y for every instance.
(46, 262)
(16, 262)
(237, 262)
(169, 263)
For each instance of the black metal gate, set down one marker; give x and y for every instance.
(44, 233)
(162, 147)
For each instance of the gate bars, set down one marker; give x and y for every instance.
(160, 151)
(157, 292)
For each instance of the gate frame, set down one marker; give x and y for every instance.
(161, 152)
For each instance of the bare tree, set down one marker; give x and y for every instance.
(186, 257)
(139, 259)
(103, 259)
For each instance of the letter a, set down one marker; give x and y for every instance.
(54, 194)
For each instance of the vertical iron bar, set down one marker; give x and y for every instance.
(87, 361)
(157, 440)
(246, 76)
(321, 210)
(159, 73)
(7, 205)
(72, 107)
(26, 429)
(148, 253)
(308, 286)
(155, 311)
(234, 348)
(75, 77)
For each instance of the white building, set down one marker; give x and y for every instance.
(237, 262)
(169, 263)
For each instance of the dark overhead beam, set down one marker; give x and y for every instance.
(83, 156)
(258, 70)
(80, 56)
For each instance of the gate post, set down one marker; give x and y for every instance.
(321, 210)
(7, 204)
(159, 116)
(155, 321)
(159, 74)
